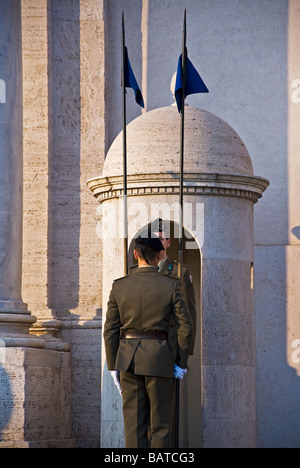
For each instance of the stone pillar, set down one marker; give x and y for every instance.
(15, 320)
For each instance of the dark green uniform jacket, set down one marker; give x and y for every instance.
(146, 301)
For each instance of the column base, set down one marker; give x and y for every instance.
(13, 307)
(14, 326)
(46, 330)
(20, 342)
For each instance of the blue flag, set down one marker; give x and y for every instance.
(130, 81)
(193, 84)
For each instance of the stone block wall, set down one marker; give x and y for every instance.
(35, 406)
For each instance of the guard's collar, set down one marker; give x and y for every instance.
(162, 263)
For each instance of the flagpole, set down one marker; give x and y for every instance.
(180, 250)
(188, 82)
(184, 59)
(184, 75)
(124, 149)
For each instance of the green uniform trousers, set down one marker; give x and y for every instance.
(148, 410)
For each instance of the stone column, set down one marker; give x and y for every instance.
(15, 319)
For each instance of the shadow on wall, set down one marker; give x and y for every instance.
(64, 156)
(64, 208)
(133, 13)
(296, 231)
(6, 401)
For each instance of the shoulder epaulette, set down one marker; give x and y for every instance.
(118, 279)
(176, 263)
(170, 277)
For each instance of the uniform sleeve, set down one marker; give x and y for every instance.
(112, 331)
(189, 296)
(183, 326)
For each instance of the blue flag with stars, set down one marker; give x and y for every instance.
(194, 83)
(130, 81)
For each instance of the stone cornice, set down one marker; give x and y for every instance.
(229, 185)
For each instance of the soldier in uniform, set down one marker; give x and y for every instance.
(140, 309)
(169, 267)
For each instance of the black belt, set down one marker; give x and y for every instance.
(147, 335)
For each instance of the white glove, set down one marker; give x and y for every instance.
(179, 373)
(116, 377)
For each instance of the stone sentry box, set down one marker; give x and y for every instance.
(220, 191)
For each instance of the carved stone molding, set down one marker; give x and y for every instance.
(239, 186)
